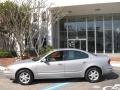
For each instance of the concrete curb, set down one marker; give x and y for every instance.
(2, 68)
(115, 63)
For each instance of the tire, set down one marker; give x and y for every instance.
(25, 77)
(93, 75)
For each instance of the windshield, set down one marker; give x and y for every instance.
(38, 58)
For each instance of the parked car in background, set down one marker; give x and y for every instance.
(60, 63)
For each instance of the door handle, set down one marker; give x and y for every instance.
(59, 64)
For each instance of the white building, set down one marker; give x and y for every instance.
(92, 25)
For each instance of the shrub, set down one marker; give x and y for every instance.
(45, 49)
(7, 54)
(42, 51)
(12, 53)
(30, 52)
(4, 54)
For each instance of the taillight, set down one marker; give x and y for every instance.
(109, 61)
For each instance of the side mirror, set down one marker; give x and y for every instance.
(45, 60)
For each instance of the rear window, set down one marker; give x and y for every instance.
(71, 55)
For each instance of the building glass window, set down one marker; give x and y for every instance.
(72, 32)
(116, 24)
(108, 33)
(44, 17)
(81, 27)
(63, 33)
(91, 33)
(35, 17)
(99, 34)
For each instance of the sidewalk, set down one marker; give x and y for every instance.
(115, 63)
(2, 68)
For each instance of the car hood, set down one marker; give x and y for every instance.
(23, 61)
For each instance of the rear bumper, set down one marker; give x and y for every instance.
(108, 70)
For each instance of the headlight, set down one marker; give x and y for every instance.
(6, 69)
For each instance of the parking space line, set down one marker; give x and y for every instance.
(96, 87)
(55, 87)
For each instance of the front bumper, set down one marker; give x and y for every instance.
(9, 74)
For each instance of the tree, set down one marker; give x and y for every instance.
(17, 20)
(46, 15)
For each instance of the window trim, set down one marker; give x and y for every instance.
(67, 59)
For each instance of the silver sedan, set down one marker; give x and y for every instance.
(60, 63)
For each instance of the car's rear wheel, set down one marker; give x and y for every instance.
(93, 74)
(25, 77)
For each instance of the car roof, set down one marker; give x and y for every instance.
(60, 49)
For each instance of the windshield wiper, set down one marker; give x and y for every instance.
(36, 59)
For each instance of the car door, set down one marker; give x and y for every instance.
(74, 63)
(53, 67)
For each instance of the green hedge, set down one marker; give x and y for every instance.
(4, 54)
(45, 49)
(7, 54)
(42, 50)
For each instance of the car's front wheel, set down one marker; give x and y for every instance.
(25, 77)
(93, 75)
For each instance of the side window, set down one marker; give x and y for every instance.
(55, 56)
(80, 55)
(71, 55)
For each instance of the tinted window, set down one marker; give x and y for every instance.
(71, 55)
(56, 56)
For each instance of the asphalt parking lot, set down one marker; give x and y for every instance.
(64, 84)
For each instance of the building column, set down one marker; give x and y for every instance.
(103, 36)
(58, 33)
(50, 29)
(95, 33)
(86, 36)
(112, 36)
(67, 34)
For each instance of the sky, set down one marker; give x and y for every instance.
(76, 2)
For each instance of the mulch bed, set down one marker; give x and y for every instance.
(6, 61)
